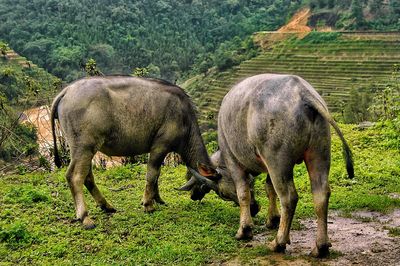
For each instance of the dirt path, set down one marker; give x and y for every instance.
(363, 239)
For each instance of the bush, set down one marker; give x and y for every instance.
(20, 140)
(384, 106)
(356, 108)
(390, 133)
(210, 136)
(212, 147)
(232, 53)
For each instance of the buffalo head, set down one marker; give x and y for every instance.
(219, 179)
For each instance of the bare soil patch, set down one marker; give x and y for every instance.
(362, 239)
(298, 23)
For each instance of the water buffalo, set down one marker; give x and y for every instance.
(125, 116)
(268, 123)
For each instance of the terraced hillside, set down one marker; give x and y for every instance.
(334, 63)
(14, 57)
(23, 83)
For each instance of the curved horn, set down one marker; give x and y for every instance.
(211, 184)
(252, 178)
(189, 184)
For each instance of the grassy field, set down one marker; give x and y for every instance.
(37, 223)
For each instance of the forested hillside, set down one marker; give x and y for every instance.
(381, 15)
(167, 36)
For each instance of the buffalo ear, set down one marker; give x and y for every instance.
(206, 171)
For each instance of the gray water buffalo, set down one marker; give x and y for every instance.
(268, 123)
(125, 116)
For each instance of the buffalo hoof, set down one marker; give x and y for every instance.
(273, 222)
(149, 208)
(88, 223)
(275, 247)
(321, 252)
(244, 233)
(108, 208)
(159, 200)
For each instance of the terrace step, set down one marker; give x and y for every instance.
(355, 60)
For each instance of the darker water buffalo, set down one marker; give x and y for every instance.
(125, 116)
(268, 123)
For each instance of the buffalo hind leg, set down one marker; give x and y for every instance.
(96, 194)
(76, 174)
(273, 212)
(151, 192)
(281, 174)
(318, 170)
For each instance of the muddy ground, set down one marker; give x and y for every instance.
(362, 239)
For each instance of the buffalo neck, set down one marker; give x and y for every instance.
(194, 151)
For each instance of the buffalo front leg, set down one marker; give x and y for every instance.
(245, 230)
(151, 192)
(318, 170)
(273, 212)
(96, 194)
(76, 174)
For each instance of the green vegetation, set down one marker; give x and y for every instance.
(394, 231)
(356, 15)
(91, 68)
(177, 37)
(122, 35)
(21, 81)
(347, 69)
(357, 74)
(22, 86)
(37, 223)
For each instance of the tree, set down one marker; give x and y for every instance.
(394, 7)
(4, 48)
(16, 140)
(376, 6)
(104, 54)
(140, 72)
(153, 71)
(321, 3)
(357, 13)
(386, 103)
(91, 68)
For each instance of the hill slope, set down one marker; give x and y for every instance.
(334, 63)
(168, 35)
(22, 81)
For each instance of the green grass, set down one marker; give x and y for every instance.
(37, 223)
(394, 231)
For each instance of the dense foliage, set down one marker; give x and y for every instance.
(381, 15)
(122, 35)
(21, 87)
(376, 105)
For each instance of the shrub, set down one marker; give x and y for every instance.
(356, 108)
